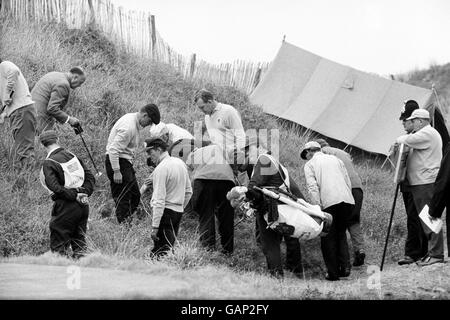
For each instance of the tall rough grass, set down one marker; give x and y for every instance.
(118, 83)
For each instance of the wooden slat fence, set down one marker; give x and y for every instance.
(136, 32)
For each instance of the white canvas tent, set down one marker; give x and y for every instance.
(334, 100)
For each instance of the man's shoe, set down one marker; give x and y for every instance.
(359, 258)
(429, 261)
(406, 260)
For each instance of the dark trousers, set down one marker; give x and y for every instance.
(167, 232)
(447, 224)
(270, 241)
(354, 227)
(209, 200)
(23, 127)
(422, 195)
(68, 227)
(334, 245)
(126, 195)
(416, 245)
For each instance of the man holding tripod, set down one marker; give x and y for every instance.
(422, 167)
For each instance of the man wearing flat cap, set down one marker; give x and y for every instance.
(422, 166)
(123, 140)
(329, 187)
(69, 183)
(171, 193)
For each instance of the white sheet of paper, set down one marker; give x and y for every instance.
(435, 225)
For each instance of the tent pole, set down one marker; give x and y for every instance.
(433, 89)
(385, 160)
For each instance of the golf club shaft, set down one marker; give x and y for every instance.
(90, 156)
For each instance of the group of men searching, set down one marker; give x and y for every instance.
(191, 173)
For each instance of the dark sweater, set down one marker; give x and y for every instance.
(54, 177)
(266, 174)
(441, 190)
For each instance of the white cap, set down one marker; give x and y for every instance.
(158, 129)
(419, 114)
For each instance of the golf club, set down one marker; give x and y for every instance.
(78, 130)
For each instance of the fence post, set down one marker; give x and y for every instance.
(152, 21)
(257, 77)
(192, 69)
(4, 8)
(92, 17)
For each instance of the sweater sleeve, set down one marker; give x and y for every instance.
(89, 180)
(54, 184)
(12, 74)
(345, 174)
(239, 132)
(187, 192)
(120, 142)
(58, 100)
(159, 196)
(311, 183)
(417, 140)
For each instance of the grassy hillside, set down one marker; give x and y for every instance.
(118, 83)
(439, 75)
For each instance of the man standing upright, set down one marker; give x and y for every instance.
(354, 227)
(171, 193)
(51, 94)
(329, 187)
(416, 244)
(223, 122)
(120, 151)
(441, 192)
(69, 183)
(422, 166)
(16, 103)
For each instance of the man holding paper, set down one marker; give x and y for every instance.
(421, 170)
(441, 191)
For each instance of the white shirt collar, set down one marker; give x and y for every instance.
(52, 150)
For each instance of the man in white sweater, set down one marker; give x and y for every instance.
(329, 187)
(17, 105)
(223, 122)
(171, 193)
(422, 167)
(122, 143)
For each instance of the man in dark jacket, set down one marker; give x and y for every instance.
(50, 95)
(69, 183)
(441, 192)
(268, 172)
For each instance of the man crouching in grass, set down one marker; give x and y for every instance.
(70, 183)
(171, 193)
